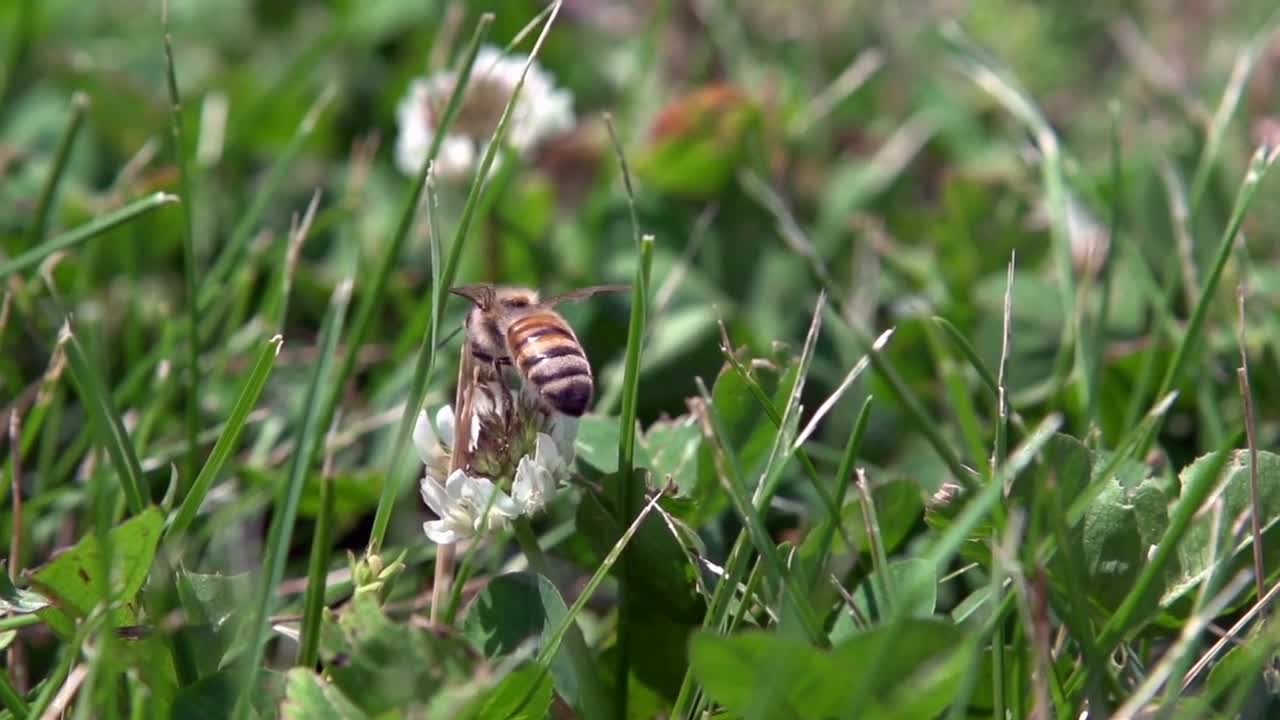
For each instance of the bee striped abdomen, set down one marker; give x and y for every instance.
(550, 358)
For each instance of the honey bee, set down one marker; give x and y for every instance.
(513, 327)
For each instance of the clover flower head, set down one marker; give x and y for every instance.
(541, 110)
(515, 445)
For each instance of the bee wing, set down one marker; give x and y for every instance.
(584, 293)
(480, 294)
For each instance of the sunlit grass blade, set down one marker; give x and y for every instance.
(749, 512)
(189, 270)
(91, 229)
(1262, 161)
(107, 424)
(970, 353)
(229, 257)
(11, 699)
(40, 218)
(551, 644)
(998, 82)
(626, 490)
(1219, 124)
(426, 354)
(317, 568)
(287, 500)
(228, 439)
(371, 299)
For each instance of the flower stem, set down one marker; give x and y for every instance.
(529, 546)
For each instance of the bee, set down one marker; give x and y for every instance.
(513, 327)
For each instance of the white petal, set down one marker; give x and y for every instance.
(522, 489)
(563, 429)
(424, 438)
(476, 493)
(548, 455)
(440, 531)
(435, 496)
(444, 426)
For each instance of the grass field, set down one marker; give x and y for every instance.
(942, 383)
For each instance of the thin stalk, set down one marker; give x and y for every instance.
(40, 219)
(227, 440)
(287, 501)
(372, 300)
(91, 229)
(188, 255)
(317, 570)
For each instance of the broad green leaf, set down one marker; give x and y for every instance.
(898, 505)
(913, 664)
(658, 568)
(309, 697)
(381, 664)
(597, 442)
(209, 698)
(915, 589)
(513, 613)
(767, 675)
(1119, 529)
(672, 447)
(69, 577)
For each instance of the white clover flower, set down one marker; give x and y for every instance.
(467, 506)
(541, 110)
(515, 442)
(539, 476)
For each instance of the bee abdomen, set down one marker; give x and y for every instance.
(551, 360)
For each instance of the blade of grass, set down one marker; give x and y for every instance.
(317, 569)
(227, 441)
(188, 252)
(627, 489)
(287, 501)
(106, 422)
(11, 699)
(993, 78)
(1216, 132)
(40, 219)
(559, 634)
(91, 229)
(426, 353)
(371, 300)
(944, 548)
(229, 258)
(1262, 161)
(749, 513)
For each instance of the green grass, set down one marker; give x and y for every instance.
(871, 437)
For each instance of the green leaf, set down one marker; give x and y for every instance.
(1193, 552)
(657, 568)
(597, 443)
(915, 582)
(381, 664)
(899, 506)
(767, 675)
(70, 578)
(524, 694)
(1119, 528)
(308, 697)
(515, 609)
(700, 140)
(209, 698)
(672, 447)
(15, 601)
